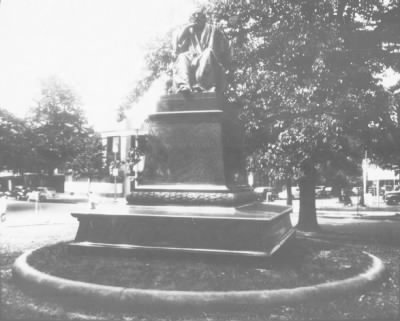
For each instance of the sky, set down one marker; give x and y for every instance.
(93, 46)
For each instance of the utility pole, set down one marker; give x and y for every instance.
(115, 177)
(115, 149)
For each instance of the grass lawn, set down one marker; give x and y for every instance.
(301, 263)
(304, 262)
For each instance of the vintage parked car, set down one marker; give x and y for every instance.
(295, 193)
(20, 192)
(323, 191)
(5, 193)
(392, 198)
(266, 193)
(41, 193)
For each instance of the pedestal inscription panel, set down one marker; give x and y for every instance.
(184, 148)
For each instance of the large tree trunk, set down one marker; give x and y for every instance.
(307, 211)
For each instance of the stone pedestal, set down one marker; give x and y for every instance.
(194, 154)
(192, 195)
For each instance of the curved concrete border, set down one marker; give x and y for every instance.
(133, 298)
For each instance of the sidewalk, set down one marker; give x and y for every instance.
(332, 208)
(371, 204)
(328, 208)
(83, 198)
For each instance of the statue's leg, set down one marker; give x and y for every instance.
(208, 72)
(182, 72)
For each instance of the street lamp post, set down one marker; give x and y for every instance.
(115, 149)
(115, 177)
(365, 179)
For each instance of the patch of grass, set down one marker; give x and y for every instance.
(301, 263)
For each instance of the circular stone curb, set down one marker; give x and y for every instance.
(133, 298)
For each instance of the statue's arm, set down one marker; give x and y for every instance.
(181, 39)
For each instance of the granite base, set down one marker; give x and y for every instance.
(256, 229)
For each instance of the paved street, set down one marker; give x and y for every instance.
(29, 226)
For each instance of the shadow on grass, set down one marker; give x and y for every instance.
(367, 233)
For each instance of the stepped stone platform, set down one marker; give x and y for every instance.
(193, 193)
(254, 230)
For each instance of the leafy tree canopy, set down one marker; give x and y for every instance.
(14, 142)
(89, 162)
(306, 75)
(59, 127)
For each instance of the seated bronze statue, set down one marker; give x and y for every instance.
(203, 56)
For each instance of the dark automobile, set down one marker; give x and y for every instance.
(5, 194)
(266, 193)
(42, 193)
(323, 191)
(392, 198)
(20, 192)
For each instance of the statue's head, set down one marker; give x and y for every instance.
(198, 18)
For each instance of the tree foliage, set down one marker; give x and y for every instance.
(15, 143)
(59, 128)
(307, 81)
(89, 162)
(305, 73)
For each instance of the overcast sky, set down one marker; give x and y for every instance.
(94, 46)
